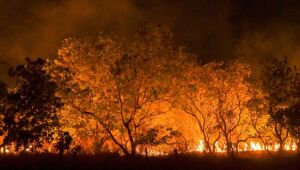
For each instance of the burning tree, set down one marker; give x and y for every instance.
(120, 96)
(194, 101)
(228, 92)
(216, 96)
(123, 86)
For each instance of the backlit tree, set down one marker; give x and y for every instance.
(29, 115)
(277, 82)
(124, 86)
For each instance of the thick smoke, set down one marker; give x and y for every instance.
(214, 29)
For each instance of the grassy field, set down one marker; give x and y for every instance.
(245, 161)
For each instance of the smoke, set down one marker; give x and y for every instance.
(36, 28)
(273, 43)
(214, 29)
(268, 30)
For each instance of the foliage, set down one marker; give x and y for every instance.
(122, 85)
(86, 131)
(216, 96)
(64, 141)
(30, 109)
(278, 82)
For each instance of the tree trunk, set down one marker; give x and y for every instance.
(298, 148)
(215, 142)
(131, 140)
(61, 154)
(237, 149)
(280, 151)
(229, 149)
(205, 137)
(133, 149)
(146, 152)
(207, 144)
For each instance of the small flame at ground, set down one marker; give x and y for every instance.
(201, 146)
(251, 146)
(256, 146)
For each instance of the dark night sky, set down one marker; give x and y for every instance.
(214, 29)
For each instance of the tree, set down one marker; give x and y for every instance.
(292, 113)
(63, 143)
(228, 91)
(3, 90)
(216, 96)
(3, 96)
(293, 122)
(85, 130)
(124, 86)
(194, 101)
(157, 136)
(258, 110)
(277, 80)
(30, 113)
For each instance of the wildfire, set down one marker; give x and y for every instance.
(4, 150)
(292, 146)
(255, 146)
(251, 146)
(201, 146)
(7, 150)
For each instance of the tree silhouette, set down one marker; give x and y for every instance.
(293, 112)
(30, 113)
(64, 142)
(277, 81)
(293, 122)
(3, 96)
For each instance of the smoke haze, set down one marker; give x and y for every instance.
(213, 29)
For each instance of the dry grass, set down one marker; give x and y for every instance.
(245, 161)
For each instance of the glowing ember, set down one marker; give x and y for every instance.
(28, 149)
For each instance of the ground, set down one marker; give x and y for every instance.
(112, 161)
